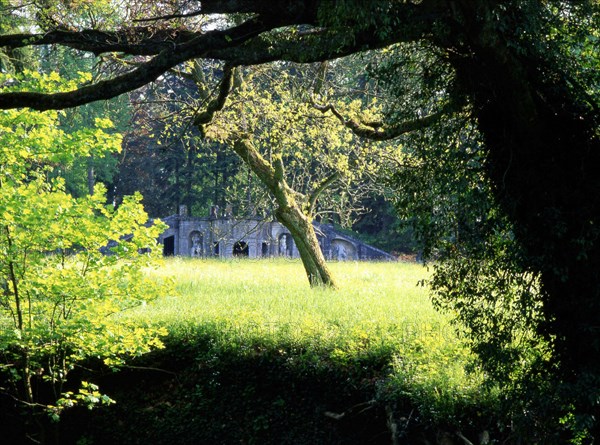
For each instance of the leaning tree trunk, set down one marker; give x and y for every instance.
(289, 213)
(303, 232)
(544, 164)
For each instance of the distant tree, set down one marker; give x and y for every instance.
(301, 157)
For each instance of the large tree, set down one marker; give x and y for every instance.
(526, 71)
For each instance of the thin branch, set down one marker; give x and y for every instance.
(464, 439)
(181, 74)
(148, 368)
(171, 16)
(275, 7)
(353, 410)
(312, 200)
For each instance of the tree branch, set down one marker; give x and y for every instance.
(271, 7)
(250, 43)
(279, 168)
(275, 7)
(138, 41)
(303, 48)
(312, 200)
(171, 16)
(251, 156)
(151, 40)
(376, 131)
(413, 21)
(219, 102)
(144, 74)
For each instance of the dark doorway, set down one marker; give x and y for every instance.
(240, 249)
(216, 249)
(265, 250)
(169, 246)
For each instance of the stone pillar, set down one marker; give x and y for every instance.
(226, 250)
(252, 248)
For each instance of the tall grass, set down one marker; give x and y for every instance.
(379, 310)
(273, 292)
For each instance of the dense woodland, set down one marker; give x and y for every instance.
(466, 130)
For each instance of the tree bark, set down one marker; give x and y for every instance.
(303, 232)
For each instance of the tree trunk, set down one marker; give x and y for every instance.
(303, 232)
(289, 213)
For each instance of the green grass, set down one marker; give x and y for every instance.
(271, 293)
(379, 310)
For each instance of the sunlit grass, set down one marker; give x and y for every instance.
(277, 291)
(379, 308)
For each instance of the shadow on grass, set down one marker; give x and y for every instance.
(194, 393)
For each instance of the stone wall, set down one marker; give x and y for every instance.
(255, 238)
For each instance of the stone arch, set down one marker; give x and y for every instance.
(169, 245)
(196, 244)
(265, 247)
(343, 250)
(241, 248)
(286, 245)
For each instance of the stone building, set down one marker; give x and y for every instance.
(226, 237)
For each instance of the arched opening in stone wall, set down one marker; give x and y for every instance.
(286, 245)
(265, 249)
(216, 249)
(196, 243)
(169, 246)
(342, 250)
(240, 248)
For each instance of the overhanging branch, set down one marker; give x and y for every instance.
(144, 74)
(251, 43)
(271, 7)
(138, 41)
